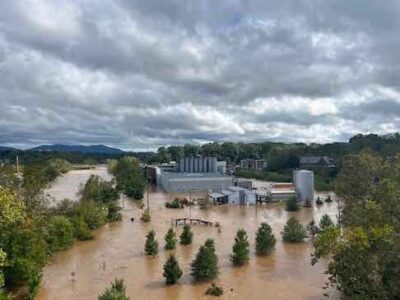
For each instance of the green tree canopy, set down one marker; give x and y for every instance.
(265, 239)
(172, 271)
(151, 245)
(293, 232)
(187, 236)
(240, 248)
(170, 239)
(205, 265)
(117, 291)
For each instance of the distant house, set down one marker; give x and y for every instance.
(253, 164)
(316, 162)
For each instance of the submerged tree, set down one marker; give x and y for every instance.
(215, 290)
(145, 216)
(312, 229)
(325, 222)
(293, 232)
(115, 292)
(151, 246)
(240, 249)
(187, 236)
(170, 239)
(205, 265)
(292, 204)
(265, 239)
(172, 271)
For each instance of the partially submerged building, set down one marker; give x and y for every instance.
(281, 191)
(233, 195)
(192, 174)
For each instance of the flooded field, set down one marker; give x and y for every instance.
(84, 271)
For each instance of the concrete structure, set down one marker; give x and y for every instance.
(221, 167)
(253, 164)
(304, 183)
(233, 195)
(316, 162)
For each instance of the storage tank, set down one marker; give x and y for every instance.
(304, 183)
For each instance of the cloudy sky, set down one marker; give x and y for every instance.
(137, 74)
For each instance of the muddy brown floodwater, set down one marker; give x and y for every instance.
(86, 270)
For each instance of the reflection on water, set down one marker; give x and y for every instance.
(84, 271)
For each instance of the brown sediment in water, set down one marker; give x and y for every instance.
(86, 270)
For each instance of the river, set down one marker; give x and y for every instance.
(86, 270)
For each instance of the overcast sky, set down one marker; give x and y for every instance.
(138, 74)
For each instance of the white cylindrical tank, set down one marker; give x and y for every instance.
(304, 183)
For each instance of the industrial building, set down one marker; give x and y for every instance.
(304, 184)
(233, 195)
(280, 191)
(191, 174)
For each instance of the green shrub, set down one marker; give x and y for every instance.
(325, 222)
(116, 292)
(240, 248)
(186, 237)
(151, 245)
(215, 290)
(145, 216)
(60, 233)
(205, 265)
(293, 232)
(172, 272)
(170, 239)
(319, 201)
(292, 204)
(174, 204)
(265, 239)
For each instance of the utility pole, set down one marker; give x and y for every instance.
(147, 196)
(17, 162)
(190, 204)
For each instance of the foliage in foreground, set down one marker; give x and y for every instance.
(265, 239)
(240, 248)
(215, 290)
(115, 292)
(172, 272)
(364, 257)
(293, 232)
(205, 265)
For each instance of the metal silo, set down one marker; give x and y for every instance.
(304, 183)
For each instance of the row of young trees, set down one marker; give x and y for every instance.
(31, 231)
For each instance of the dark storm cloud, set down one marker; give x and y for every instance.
(139, 74)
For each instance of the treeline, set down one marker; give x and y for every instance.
(31, 231)
(282, 155)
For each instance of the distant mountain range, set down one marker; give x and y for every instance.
(93, 149)
(3, 149)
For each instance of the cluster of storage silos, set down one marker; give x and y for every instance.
(304, 183)
(198, 165)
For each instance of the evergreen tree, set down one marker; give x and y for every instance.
(186, 236)
(172, 272)
(116, 292)
(293, 232)
(205, 265)
(145, 216)
(240, 249)
(292, 204)
(265, 239)
(151, 246)
(325, 222)
(170, 239)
